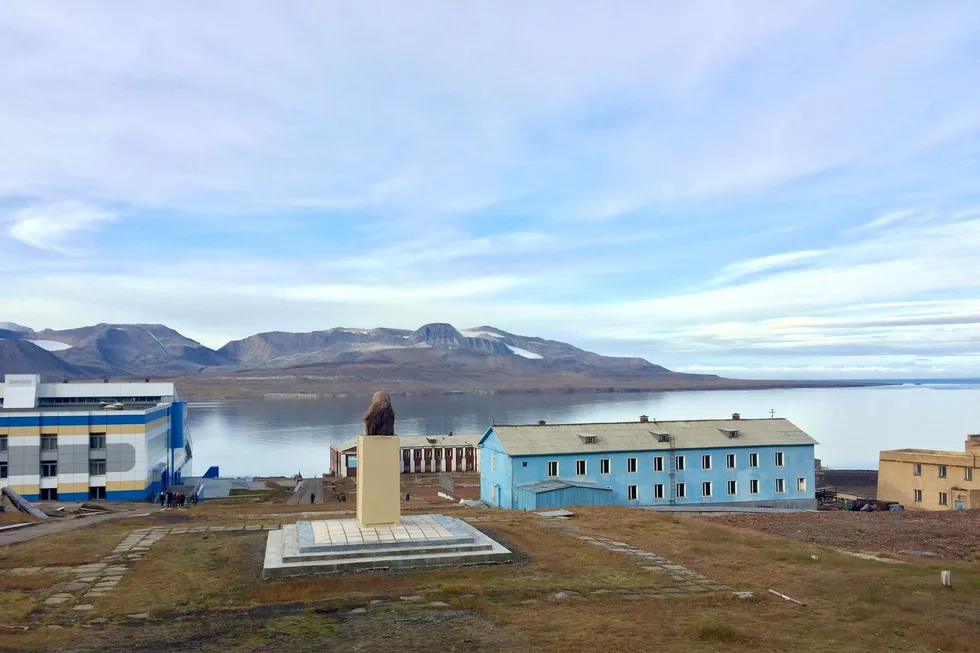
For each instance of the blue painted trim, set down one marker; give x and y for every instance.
(128, 495)
(73, 496)
(31, 497)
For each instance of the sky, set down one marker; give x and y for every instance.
(757, 189)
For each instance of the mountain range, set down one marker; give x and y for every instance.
(434, 358)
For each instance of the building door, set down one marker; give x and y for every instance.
(406, 461)
(959, 504)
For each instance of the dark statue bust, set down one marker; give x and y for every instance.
(380, 416)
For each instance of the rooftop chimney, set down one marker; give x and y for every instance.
(541, 422)
(736, 416)
(105, 380)
(644, 419)
(973, 442)
(146, 380)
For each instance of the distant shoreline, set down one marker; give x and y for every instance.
(220, 391)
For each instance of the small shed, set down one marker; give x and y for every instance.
(557, 493)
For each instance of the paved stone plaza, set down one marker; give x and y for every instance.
(325, 546)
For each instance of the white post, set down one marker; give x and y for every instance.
(947, 578)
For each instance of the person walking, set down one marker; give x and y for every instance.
(170, 499)
(163, 498)
(312, 497)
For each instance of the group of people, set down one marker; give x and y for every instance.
(176, 499)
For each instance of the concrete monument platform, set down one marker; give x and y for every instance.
(327, 546)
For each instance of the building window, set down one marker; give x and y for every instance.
(49, 470)
(753, 460)
(917, 469)
(3, 442)
(942, 471)
(754, 486)
(524, 464)
(658, 491)
(681, 490)
(96, 441)
(552, 468)
(438, 454)
(658, 463)
(49, 494)
(580, 468)
(493, 491)
(732, 488)
(3, 470)
(49, 443)
(801, 484)
(96, 468)
(706, 461)
(631, 465)
(967, 473)
(493, 463)
(706, 489)
(730, 461)
(780, 485)
(96, 493)
(604, 466)
(679, 463)
(917, 495)
(631, 492)
(943, 499)
(778, 459)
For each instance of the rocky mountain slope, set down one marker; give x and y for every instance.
(18, 356)
(116, 350)
(433, 358)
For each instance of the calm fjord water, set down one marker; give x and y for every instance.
(285, 436)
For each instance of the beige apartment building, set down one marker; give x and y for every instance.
(926, 479)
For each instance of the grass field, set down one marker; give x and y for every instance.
(210, 584)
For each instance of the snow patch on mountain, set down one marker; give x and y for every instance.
(523, 352)
(480, 334)
(50, 345)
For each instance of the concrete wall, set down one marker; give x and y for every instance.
(523, 470)
(897, 480)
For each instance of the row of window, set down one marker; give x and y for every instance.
(707, 488)
(50, 470)
(967, 471)
(680, 464)
(943, 497)
(50, 442)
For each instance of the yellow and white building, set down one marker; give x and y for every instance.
(80, 441)
(926, 479)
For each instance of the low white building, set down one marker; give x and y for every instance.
(421, 454)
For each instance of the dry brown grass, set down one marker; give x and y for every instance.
(77, 547)
(40, 580)
(852, 604)
(11, 517)
(187, 572)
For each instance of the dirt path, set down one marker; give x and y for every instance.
(302, 495)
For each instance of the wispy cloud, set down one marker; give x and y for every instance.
(727, 184)
(740, 269)
(53, 227)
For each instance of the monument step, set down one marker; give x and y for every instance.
(276, 567)
(374, 552)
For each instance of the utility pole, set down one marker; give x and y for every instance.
(772, 413)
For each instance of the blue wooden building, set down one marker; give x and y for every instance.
(735, 462)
